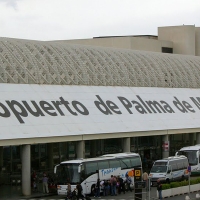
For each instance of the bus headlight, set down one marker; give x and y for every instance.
(58, 187)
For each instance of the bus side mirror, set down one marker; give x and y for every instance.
(55, 169)
(79, 168)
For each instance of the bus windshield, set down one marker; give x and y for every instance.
(191, 155)
(68, 173)
(158, 169)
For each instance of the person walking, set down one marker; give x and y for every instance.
(159, 188)
(97, 187)
(79, 190)
(113, 183)
(128, 181)
(45, 183)
(121, 185)
(145, 178)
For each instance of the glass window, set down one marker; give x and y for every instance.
(174, 167)
(185, 163)
(114, 163)
(68, 173)
(103, 164)
(125, 163)
(135, 162)
(180, 165)
(91, 168)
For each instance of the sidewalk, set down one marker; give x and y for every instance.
(8, 192)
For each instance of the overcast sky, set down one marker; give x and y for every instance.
(80, 19)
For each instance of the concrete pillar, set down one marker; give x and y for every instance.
(50, 155)
(126, 144)
(165, 146)
(197, 138)
(80, 149)
(26, 170)
(93, 148)
(191, 139)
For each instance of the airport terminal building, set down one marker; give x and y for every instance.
(61, 100)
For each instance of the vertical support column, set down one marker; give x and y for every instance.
(197, 138)
(80, 149)
(191, 139)
(165, 146)
(126, 144)
(50, 155)
(26, 170)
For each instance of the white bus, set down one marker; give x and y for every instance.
(87, 171)
(193, 155)
(169, 169)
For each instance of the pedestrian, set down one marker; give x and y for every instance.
(79, 191)
(145, 178)
(69, 191)
(121, 185)
(113, 183)
(97, 188)
(159, 188)
(106, 188)
(34, 186)
(45, 183)
(128, 181)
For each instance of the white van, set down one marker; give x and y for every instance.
(169, 169)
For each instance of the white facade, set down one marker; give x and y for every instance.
(52, 92)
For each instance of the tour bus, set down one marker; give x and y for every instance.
(87, 171)
(193, 155)
(169, 169)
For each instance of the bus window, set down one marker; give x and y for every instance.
(174, 167)
(199, 156)
(91, 168)
(135, 162)
(103, 164)
(114, 163)
(185, 164)
(125, 163)
(180, 165)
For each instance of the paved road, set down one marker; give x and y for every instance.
(126, 196)
(129, 196)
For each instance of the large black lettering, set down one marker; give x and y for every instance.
(57, 105)
(66, 104)
(196, 102)
(113, 107)
(139, 107)
(126, 103)
(6, 112)
(102, 106)
(19, 114)
(47, 107)
(167, 107)
(155, 106)
(143, 103)
(179, 105)
(37, 111)
(77, 104)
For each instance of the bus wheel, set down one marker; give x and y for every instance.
(93, 190)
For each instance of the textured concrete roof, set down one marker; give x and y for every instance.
(36, 62)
